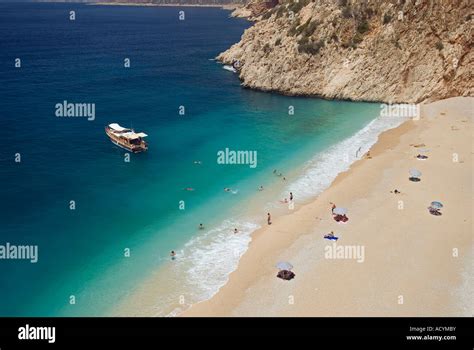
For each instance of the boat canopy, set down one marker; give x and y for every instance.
(133, 135)
(117, 127)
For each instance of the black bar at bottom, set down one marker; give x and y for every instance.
(449, 333)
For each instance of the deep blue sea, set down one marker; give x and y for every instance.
(135, 206)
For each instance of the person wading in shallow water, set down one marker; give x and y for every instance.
(269, 219)
(291, 196)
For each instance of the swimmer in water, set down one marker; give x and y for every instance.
(274, 171)
(235, 230)
(227, 189)
(189, 189)
(260, 188)
(197, 162)
(284, 201)
(291, 196)
(201, 226)
(284, 179)
(173, 255)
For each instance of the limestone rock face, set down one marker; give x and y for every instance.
(388, 50)
(254, 9)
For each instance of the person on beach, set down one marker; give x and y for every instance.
(395, 191)
(269, 219)
(201, 226)
(285, 201)
(173, 255)
(291, 196)
(333, 207)
(331, 236)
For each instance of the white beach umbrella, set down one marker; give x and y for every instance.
(415, 173)
(284, 265)
(340, 211)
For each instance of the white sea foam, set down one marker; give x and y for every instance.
(320, 172)
(208, 259)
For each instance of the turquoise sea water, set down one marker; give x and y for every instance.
(135, 205)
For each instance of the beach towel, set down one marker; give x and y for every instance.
(341, 218)
(435, 212)
(286, 275)
(334, 238)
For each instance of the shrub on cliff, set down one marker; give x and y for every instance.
(267, 15)
(293, 29)
(266, 48)
(296, 6)
(347, 12)
(387, 18)
(363, 27)
(281, 10)
(311, 48)
(357, 39)
(310, 28)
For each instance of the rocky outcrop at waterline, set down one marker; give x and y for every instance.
(393, 51)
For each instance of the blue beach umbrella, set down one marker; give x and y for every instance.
(436, 205)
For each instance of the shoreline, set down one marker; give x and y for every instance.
(253, 290)
(164, 280)
(224, 7)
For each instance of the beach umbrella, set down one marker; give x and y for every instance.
(415, 173)
(284, 265)
(436, 205)
(340, 211)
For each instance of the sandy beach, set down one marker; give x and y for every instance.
(413, 263)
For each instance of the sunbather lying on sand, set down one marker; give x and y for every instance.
(418, 145)
(421, 156)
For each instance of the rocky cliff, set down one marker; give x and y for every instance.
(254, 9)
(393, 51)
